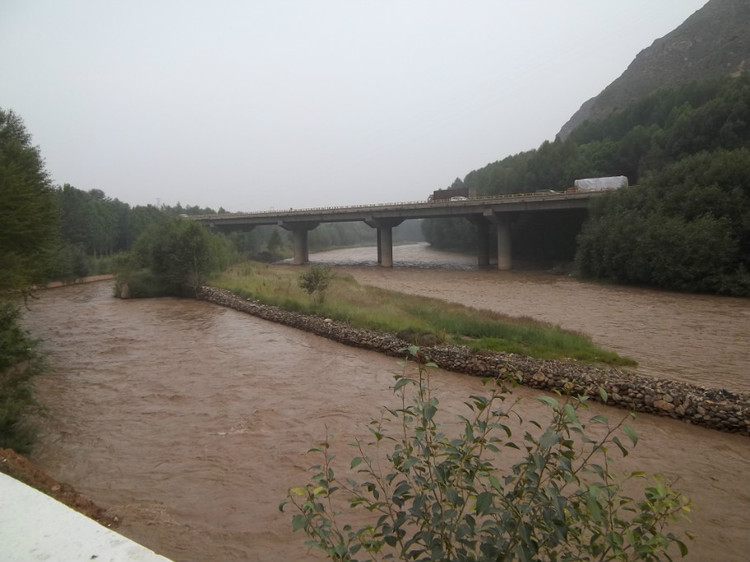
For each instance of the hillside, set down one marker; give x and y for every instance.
(712, 43)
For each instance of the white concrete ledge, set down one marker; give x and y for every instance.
(34, 526)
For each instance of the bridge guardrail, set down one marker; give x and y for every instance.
(305, 210)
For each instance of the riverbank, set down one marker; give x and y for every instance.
(19, 467)
(78, 281)
(708, 407)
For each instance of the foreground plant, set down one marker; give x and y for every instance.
(442, 498)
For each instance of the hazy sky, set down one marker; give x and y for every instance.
(251, 105)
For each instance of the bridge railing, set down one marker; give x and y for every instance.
(306, 210)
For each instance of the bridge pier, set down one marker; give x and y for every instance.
(385, 239)
(299, 232)
(483, 240)
(504, 262)
(301, 252)
(502, 225)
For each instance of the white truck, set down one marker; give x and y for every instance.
(598, 184)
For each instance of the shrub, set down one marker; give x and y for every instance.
(179, 256)
(315, 281)
(19, 362)
(442, 498)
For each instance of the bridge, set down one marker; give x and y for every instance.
(480, 211)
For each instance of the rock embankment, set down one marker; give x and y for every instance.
(708, 407)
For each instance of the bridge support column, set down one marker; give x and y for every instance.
(385, 239)
(483, 240)
(504, 262)
(502, 225)
(299, 239)
(301, 253)
(385, 246)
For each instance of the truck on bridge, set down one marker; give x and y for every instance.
(452, 193)
(599, 184)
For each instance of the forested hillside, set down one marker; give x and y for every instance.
(656, 130)
(712, 43)
(687, 150)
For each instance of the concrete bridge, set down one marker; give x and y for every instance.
(480, 211)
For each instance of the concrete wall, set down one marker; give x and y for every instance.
(33, 526)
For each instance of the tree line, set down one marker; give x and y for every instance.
(674, 146)
(94, 227)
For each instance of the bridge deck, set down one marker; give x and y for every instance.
(480, 206)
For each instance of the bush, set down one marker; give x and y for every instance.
(315, 281)
(19, 362)
(442, 498)
(140, 284)
(175, 257)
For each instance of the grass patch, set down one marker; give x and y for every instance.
(388, 311)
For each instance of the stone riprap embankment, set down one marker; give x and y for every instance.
(708, 407)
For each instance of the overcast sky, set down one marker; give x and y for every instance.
(252, 105)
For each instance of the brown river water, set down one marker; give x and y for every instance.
(190, 421)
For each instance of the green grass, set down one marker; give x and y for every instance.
(388, 311)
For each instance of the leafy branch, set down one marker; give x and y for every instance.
(434, 497)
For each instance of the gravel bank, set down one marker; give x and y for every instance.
(708, 407)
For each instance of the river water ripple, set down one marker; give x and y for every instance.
(190, 421)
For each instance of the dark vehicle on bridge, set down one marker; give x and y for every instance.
(452, 194)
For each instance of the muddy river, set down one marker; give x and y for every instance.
(191, 421)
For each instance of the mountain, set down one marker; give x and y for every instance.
(713, 42)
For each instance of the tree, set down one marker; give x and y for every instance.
(28, 213)
(180, 254)
(28, 236)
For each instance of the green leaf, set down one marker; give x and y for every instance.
(570, 413)
(484, 501)
(619, 444)
(299, 521)
(401, 383)
(548, 400)
(495, 483)
(549, 439)
(429, 411)
(356, 461)
(592, 504)
(630, 432)
(603, 395)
